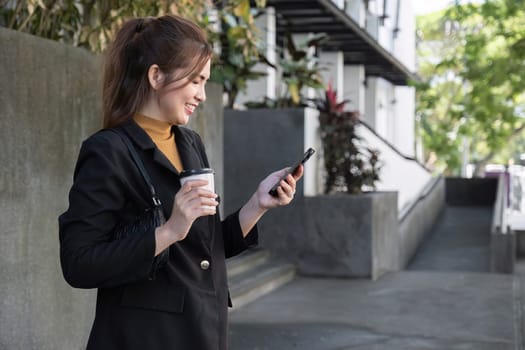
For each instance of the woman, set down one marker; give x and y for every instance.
(154, 78)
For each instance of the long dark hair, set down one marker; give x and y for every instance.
(171, 42)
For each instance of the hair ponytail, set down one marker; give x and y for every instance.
(171, 42)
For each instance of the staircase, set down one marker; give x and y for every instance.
(253, 274)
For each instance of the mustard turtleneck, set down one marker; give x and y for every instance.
(163, 137)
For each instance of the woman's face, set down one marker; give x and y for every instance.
(176, 103)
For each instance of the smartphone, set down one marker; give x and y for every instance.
(292, 170)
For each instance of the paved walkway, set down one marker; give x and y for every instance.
(459, 242)
(406, 310)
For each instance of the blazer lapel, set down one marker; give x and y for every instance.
(188, 152)
(143, 140)
(160, 158)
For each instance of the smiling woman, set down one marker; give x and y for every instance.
(151, 56)
(155, 248)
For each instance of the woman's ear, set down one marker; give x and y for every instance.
(155, 77)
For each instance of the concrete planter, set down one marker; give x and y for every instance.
(351, 236)
(343, 236)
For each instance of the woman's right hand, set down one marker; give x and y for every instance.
(190, 203)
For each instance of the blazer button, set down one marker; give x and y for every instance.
(205, 264)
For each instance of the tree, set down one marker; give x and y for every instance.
(91, 23)
(472, 94)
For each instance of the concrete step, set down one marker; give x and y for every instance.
(249, 259)
(262, 277)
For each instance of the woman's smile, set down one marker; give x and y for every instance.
(190, 108)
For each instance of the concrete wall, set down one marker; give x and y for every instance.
(340, 235)
(343, 236)
(49, 103)
(475, 191)
(257, 143)
(385, 241)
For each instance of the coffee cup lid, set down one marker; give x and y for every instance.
(191, 172)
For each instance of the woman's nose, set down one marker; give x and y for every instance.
(201, 94)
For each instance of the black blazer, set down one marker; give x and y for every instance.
(185, 306)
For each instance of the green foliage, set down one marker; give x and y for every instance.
(56, 20)
(93, 23)
(90, 23)
(350, 166)
(298, 69)
(230, 27)
(472, 60)
(241, 48)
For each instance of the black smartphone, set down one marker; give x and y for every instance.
(292, 170)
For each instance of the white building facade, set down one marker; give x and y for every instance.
(371, 56)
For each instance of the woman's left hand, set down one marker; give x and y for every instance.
(285, 192)
(261, 200)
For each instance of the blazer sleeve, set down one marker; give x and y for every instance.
(88, 256)
(234, 241)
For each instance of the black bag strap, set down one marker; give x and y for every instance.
(140, 165)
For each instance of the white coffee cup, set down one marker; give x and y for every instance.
(199, 174)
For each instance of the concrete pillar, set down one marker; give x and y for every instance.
(354, 88)
(392, 118)
(264, 86)
(404, 45)
(372, 25)
(370, 102)
(380, 108)
(314, 168)
(334, 64)
(356, 10)
(405, 108)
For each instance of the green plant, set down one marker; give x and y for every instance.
(350, 166)
(241, 47)
(298, 69)
(56, 20)
(91, 23)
